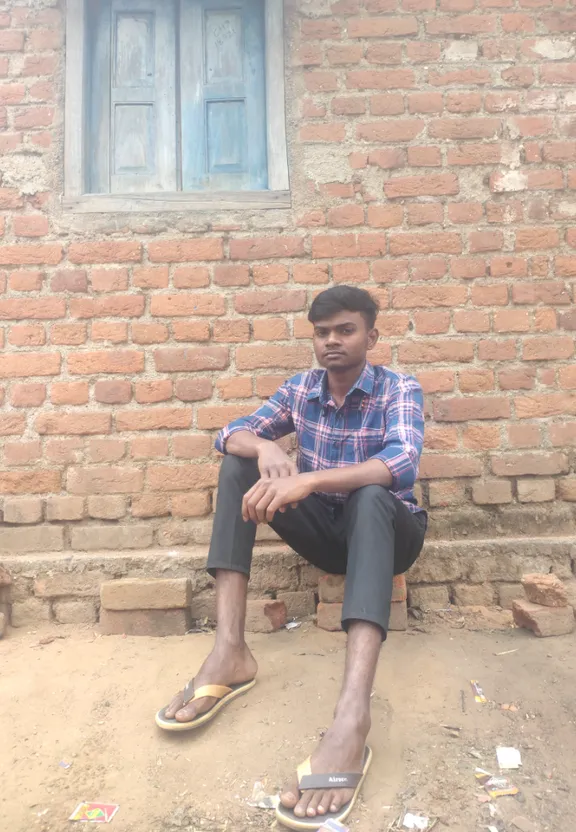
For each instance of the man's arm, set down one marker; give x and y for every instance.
(395, 466)
(253, 437)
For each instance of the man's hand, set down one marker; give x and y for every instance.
(268, 496)
(273, 462)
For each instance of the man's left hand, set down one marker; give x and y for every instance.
(268, 496)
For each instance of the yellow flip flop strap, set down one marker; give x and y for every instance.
(304, 770)
(217, 691)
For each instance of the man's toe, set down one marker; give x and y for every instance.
(315, 799)
(289, 798)
(302, 805)
(326, 802)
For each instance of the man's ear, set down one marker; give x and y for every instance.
(373, 336)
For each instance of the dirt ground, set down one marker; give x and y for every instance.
(90, 700)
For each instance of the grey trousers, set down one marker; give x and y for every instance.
(370, 538)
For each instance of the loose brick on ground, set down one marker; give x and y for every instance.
(265, 616)
(429, 597)
(547, 590)
(543, 621)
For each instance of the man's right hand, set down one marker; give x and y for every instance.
(273, 462)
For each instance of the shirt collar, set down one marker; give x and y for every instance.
(364, 383)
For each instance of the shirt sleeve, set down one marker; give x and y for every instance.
(404, 437)
(271, 421)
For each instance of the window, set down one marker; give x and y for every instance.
(173, 104)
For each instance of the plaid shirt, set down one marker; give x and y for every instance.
(381, 418)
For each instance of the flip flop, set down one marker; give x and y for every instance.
(222, 693)
(307, 780)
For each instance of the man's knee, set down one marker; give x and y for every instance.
(373, 497)
(238, 468)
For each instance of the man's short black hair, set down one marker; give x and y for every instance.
(344, 299)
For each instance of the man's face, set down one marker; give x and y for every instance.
(341, 342)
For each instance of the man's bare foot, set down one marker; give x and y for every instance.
(340, 751)
(224, 666)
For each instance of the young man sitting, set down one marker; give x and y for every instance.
(346, 507)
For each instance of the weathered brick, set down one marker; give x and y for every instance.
(545, 589)
(109, 507)
(543, 621)
(474, 595)
(329, 616)
(265, 616)
(146, 594)
(331, 588)
(149, 623)
(299, 604)
(22, 510)
(74, 612)
(125, 536)
(30, 613)
(429, 597)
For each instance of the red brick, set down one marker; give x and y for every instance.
(152, 392)
(184, 251)
(231, 331)
(106, 361)
(459, 77)
(429, 352)
(149, 333)
(538, 464)
(524, 436)
(551, 293)
(476, 380)
(344, 216)
(545, 349)
(270, 329)
(266, 247)
(429, 185)
(481, 437)
(473, 154)
(191, 277)
(15, 309)
(436, 381)
(19, 365)
(320, 81)
(210, 418)
(464, 128)
(449, 466)
(384, 53)
(149, 448)
(328, 132)
(289, 357)
(463, 410)
(191, 359)
(105, 450)
(426, 296)
(113, 392)
(511, 320)
(239, 387)
(268, 384)
(441, 438)
(109, 280)
(69, 281)
(184, 305)
(72, 424)
(270, 275)
(27, 335)
(329, 616)
(26, 281)
(394, 130)
(69, 392)
(387, 158)
(38, 481)
(311, 272)
(429, 243)
(14, 424)
(115, 333)
(536, 238)
(382, 27)
(108, 252)
(464, 102)
(265, 616)
(543, 621)
(194, 330)
(232, 275)
(150, 277)
(68, 334)
(386, 104)
(22, 453)
(30, 226)
(465, 212)
(254, 303)
(158, 418)
(11, 41)
(485, 241)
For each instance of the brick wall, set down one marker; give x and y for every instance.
(431, 146)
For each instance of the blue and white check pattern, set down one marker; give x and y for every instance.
(382, 418)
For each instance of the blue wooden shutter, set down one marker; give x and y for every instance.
(222, 72)
(133, 109)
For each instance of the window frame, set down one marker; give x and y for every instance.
(75, 133)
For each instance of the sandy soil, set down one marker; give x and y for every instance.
(90, 701)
